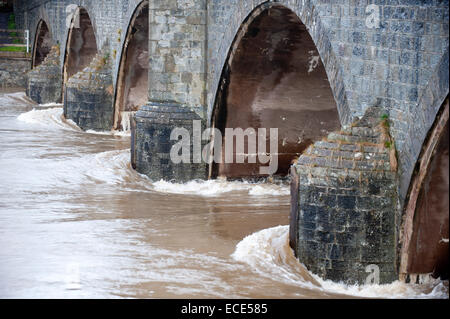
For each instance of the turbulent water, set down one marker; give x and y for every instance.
(76, 221)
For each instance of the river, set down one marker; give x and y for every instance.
(76, 221)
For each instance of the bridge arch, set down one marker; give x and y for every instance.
(81, 44)
(132, 81)
(274, 77)
(310, 15)
(42, 43)
(425, 228)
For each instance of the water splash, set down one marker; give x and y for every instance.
(53, 118)
(16, 98)
(219, 187)
(269, 254)
(126, 120)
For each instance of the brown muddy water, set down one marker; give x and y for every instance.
(76, 221)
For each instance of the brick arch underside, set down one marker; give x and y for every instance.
(132, 79)
(42, 44)
(426, 219)
(422, 117)
(274, 77)
(36, 17)
(232, 28)
(424, 185)
(81, 45)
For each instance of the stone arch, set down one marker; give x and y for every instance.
(422, 117)
(299, 77)
(310, 16)
(425, 228)
(81, 45)
(42, 43)
(132, 80)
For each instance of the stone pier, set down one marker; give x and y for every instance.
(89, 94)
(345, 219)
(45, 81)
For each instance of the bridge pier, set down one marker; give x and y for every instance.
(176, 89)
(44, 81)
(151, 136)
(344, 217)
(88, 97)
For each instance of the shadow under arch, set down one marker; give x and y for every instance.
(132, 82)
(425, 228)
(81, 44)
(274, 78)
(42, 43)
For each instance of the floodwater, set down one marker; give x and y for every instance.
(76, 221)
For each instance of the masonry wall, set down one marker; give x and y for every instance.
(177, 47)
(400, 63)
(345, 220)
(13, 71)
(110, 19)
(177, 83)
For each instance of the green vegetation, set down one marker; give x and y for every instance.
(385, 121)
(12, 21)
(13, 49)
(12, 26)
(105, 59)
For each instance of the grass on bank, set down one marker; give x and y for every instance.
(13, 49)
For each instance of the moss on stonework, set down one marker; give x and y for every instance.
(388, 141)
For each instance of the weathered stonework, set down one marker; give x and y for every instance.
(345, 216)
(399, 63)
(45, 81)
(89, 94)
(13, 70)
(152, 145)
(392, 54)
(177, 51)
(176, 88)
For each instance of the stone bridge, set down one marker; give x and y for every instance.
(358, 90)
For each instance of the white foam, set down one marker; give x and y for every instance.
(269, 190)
(110, 167)
(269, 254)
(8, 99)
(126, 120)
(202, 188)
(52, 117)
(59, 105)
(219, 187)
(114, 167)
(112, 132)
